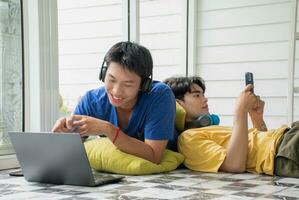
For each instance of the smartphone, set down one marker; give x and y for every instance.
(249, 79)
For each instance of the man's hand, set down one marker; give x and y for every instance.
(86, 125)
(246, 101)
(257, 115)
(82, 124)
(60, 126)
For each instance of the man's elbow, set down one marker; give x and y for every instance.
(157, 160)
(156, 155)
(234, 168)
(238, 169)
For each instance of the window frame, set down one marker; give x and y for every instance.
(10, 160)
(41, 64)
(40, 69)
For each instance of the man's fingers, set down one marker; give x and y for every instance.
(59, 125)
(248, 87)
(54, 129)
(76, 117)
(70, 122)
(60, 130)
(74, 120)
(79, 123)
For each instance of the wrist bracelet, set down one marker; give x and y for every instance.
(117, 130)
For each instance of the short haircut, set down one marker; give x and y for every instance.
(181, 85)
(131, 56)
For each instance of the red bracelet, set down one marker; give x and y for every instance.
(116, 134)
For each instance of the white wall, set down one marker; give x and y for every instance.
(162, 30)
(234, 37)
(87, 29)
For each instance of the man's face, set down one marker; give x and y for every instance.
(122, 86)
(195, 103)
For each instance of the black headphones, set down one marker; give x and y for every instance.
(146, 82)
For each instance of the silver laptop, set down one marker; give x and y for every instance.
(56, 159)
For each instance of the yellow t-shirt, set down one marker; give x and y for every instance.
(205, 148)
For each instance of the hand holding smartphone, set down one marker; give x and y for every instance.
(249, 79)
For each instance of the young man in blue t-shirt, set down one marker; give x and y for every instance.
(134, 112)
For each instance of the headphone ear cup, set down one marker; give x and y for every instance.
(146, 84)
(215, 120)
(103, 73)
(204, 120)
(201, 121)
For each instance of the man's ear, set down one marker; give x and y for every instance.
(179, 101)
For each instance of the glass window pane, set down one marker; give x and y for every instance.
(11, 95)
(161, 30)
(86, 29)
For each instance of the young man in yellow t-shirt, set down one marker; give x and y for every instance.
(236, 148)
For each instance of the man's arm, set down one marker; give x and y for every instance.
(151, 150)
(237, 149)
(257, 115)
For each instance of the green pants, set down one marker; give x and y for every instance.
(287, 153)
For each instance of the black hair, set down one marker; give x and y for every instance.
(181, 85)
(131, 56)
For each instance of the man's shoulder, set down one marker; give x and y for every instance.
(160, 94)
(97, 93)
(158, 87)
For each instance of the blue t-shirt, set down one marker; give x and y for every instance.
(153, 115)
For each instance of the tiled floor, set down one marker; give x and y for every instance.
(179, 184)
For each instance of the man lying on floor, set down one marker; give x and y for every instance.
(237, 148)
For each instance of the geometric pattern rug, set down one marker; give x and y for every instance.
(179, 184)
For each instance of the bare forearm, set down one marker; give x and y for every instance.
(237, 149)
(134, 146)
(257, 116)
(138, 148)
(261, 125)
